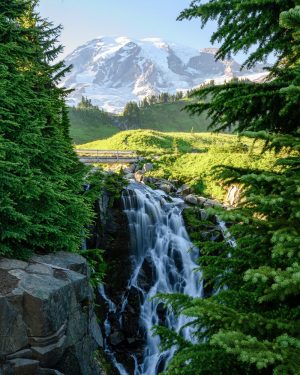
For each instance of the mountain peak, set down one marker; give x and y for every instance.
(112, 70)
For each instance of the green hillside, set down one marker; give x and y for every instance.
(90, 124)
(190, 157)
(169, 117)
(152, 141)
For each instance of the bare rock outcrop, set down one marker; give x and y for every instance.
(47, 321)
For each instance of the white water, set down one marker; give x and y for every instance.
(157, 233)
(226, 234)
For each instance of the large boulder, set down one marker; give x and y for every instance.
(139, 175)
(184, 190)
(167, 188)
(128, 169)
(46, 316)
(207, 203)
(191, 199)
(147, 167)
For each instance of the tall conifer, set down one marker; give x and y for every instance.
(252, 325)
(42, 208)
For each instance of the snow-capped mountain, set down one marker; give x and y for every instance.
(112, 71)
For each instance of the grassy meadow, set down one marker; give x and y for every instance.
(87, 125)
(190, 157)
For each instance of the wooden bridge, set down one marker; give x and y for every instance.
(88, 156)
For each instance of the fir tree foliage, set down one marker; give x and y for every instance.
(42, 207)
(86, 103)
(242, 104)
(243, 24)
(251, 324)
(131, 115)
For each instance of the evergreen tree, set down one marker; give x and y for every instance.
(132, 115)
(179, 95)
(164, 97)
(244, 24)
(152, 99)
(86, 103)
(251, 326)
(42, 208)
(144, 103)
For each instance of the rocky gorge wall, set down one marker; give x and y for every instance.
(110, 233)
(47, 320)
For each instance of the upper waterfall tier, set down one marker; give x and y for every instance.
(163, 260)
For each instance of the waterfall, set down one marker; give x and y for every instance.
(164, 260)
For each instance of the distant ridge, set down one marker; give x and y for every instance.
(211, 50)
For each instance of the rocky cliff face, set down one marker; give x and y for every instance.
(113, 71)
(47, 322)
(111, 234)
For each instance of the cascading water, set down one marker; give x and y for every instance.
(159, 243)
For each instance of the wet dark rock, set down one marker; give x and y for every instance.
(116, 338)
(25, 353)
(48, 371)
(130, 316)
(161, 365)
(110, 233)
(147, 274)
(134, 299)
(207, 288)
(161, 313)
(177, 257)
(172, 277)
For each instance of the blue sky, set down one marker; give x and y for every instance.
(85, 20)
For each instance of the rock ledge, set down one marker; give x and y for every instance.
(47, 321)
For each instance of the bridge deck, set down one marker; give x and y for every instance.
(93, 160)
(88, 156)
